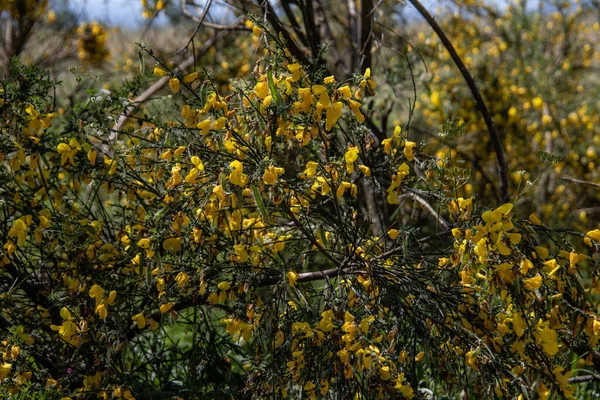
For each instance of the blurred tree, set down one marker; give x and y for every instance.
(35, 25)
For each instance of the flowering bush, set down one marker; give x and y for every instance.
(267, 243)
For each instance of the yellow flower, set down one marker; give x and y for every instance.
(518, 324)
(345, 91)
(204, 126)
(292, 278)
(236, 176)
(393, 233)
(384, 372)
(551, 267)
(533, 283)
(241, 252)
(102, 311)
(324, 387)
(190, 77)
(533, 218)
(408, 150)
(174, 85)
(224, 285)
(471, 358)
(525, 266)
(220, 123)
(595, 234)
(481, 249)
(542, 252)
(351, 155)
(92, 154)
(182, 279)
(355, 107)
(172, 244)
(67, 330)
(66, 153)
(65, 314)
(5, 370)
(342, 189)
(256, 30)
(262, 90)
(538, 102)
(296, 71)
(365, 170)
(343, 355)
(160, 72)
(112, 297)
(515, 238)
(329, 79)
(19, 230)
(311, 169)
(404, 390)
(574, 258)
(270, 175)
(367, 82)
(548, 337)
(387, 145)
(165, 308)
(333, 114)
(15, 351)
(96, 291)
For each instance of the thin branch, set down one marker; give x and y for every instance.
(494, 136)
(289, 41)
(148, 25)
(314, 35)
(566, 178)
(292, 19)
(428, 207)
(200, 21)
(307, 276)
(329, 37)
(584, 378)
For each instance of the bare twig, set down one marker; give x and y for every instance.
(289, 41)
(329, 36)
(148, 25)
(494, 136)
(428, 207)
(292, 19)
(234, 26)
(200, 21)
(312, 31)
(584, 378)
(566, 178)
(309, 276)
